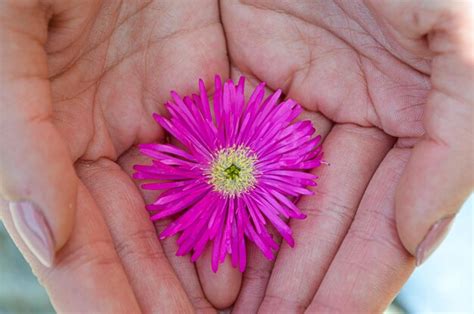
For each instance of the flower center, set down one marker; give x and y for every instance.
(232, 171)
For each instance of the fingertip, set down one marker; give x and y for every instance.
(43, 189)
(34, 231)
(222, 287)
(433, 239)
(431, 189)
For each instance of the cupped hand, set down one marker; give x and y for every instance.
(79, 83)
(389, 83)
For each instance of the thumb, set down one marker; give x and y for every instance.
(37, 177)
(439, 175)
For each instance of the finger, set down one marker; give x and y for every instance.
(438, 177)
(257, 273)
(254, 280)
(155, 284)
(183, 268)
(371, 265)
(354, 153)
(36, 172)
(87, 276)
(221, 288)
(186, 271)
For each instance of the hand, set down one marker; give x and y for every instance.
(390, 84)
(79, 83)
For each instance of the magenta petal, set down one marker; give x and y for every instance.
(216, 250)
(190, 216)
(169, 149)
(268, 211)
(178, 206)
(164, 185)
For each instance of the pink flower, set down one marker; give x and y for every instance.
(243, 165)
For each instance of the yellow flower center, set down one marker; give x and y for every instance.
(232, 171)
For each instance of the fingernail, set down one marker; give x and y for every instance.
(433, 239)
(33, 230)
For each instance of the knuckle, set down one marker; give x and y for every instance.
(91, 169)
(100, 253)
(369, 234)
(330, 206)
(140, 246)
(319, 306)
(278, 304)
(253, 273)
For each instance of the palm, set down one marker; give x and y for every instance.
(365, 95)
(109, 81)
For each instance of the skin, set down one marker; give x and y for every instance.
(386, 84)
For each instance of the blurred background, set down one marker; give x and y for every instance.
(444, 284)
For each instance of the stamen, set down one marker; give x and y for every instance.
(232, 171)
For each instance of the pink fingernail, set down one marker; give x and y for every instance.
(34, 230)
(433, 239)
